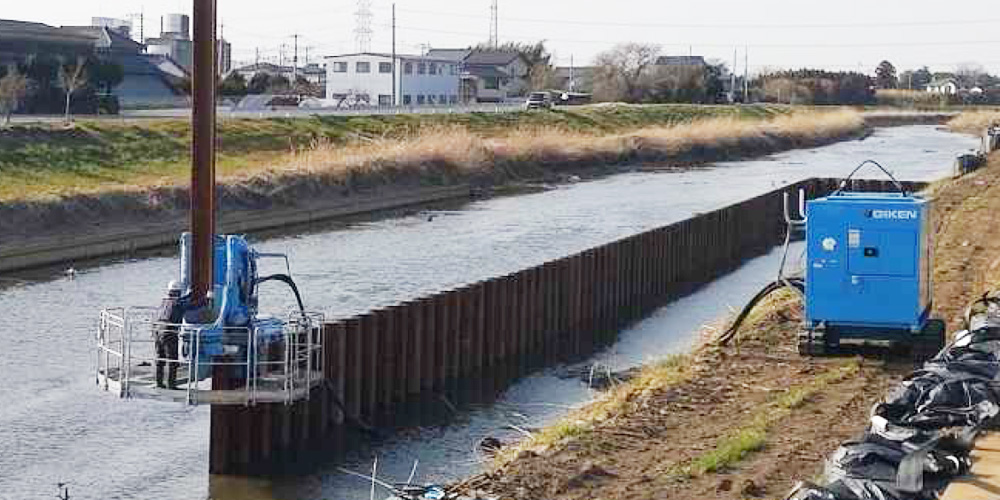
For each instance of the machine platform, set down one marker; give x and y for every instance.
(269, 368)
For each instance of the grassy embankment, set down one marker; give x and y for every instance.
(42, 161)
(751, 419)
(61, 179)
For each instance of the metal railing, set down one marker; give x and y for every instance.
(249, 366)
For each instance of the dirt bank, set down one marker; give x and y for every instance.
(749, 420)
(335, 174)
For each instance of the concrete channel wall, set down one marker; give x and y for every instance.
(409, 363)
(67, 250)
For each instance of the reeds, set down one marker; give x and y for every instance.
(974, 122)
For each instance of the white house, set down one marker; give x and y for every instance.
(366, 78)
(946, 86)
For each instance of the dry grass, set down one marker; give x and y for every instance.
(467, 152)
(616, 403)
(974, 122)
(910, 98)
(427, 156)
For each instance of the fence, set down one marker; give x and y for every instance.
(396, 365)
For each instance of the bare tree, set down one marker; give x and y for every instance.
(13, 90)
(970, 75)
(623, 73)
(72, 78)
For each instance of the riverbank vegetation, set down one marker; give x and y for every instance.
(753, 418)
(134, 174)
(43, 161)
(974, 122)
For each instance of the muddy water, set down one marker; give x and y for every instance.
(56, 427)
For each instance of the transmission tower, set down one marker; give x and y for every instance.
(494, 36)
(363, 25)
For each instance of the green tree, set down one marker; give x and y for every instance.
(106, 75)
(885, 75)
(233, 85)
(259, 83)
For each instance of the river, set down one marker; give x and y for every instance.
(55, 426)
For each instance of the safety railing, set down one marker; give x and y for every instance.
(273, 362)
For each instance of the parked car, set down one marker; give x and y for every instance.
(538, 100)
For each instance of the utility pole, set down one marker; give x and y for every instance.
(295, 59)
(572, 79)
(746, 73)
(732, 78)
(256, 58)
(394, 84)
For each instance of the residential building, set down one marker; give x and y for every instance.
(21, 39)
(148, 80)
(488, 75)
(367, 79)
(945, 86)
(682, 61)
(122, 26)
(249, 70)
(314, 74)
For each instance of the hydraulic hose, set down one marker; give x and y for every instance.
(287, 280)
(795, 283)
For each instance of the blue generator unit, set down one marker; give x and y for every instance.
(868, 273)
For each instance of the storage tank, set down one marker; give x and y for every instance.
(177, 24)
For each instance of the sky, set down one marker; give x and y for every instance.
(767, 34)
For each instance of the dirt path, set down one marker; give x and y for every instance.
(752, 419)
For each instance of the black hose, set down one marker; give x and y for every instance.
(843, 184)
(287, 280)
(795, 283)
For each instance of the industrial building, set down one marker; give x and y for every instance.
(367, 79)
(175, 42)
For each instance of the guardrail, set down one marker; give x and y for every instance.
(392, 366)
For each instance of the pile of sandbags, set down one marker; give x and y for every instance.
(921, 433)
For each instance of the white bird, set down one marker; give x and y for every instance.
(71, 273)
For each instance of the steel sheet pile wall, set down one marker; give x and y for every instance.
(409, 362)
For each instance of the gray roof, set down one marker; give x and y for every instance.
(681, 61)
(491, 57)
(24, 31)
(108, 38)
(456, 55)
(264, 67)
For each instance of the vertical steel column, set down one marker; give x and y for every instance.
(202, 213)
(441, 339)
(415, 331)
(369, 366)
(386, 362)
(428, 343)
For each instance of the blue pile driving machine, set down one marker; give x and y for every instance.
(868, 272)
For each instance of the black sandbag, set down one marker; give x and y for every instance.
(937, 397)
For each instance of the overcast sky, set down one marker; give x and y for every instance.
(839, 34)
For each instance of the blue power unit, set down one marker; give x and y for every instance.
(868, 265)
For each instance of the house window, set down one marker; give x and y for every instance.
(421, 99)
(421, 68)
(384, 100)
(384, 67)
(407, 99)
(432, 68)
(491, 83)
(442, 99)
(408, 68)
(453, 99)
(363, 67)
(453, 68)
(340, 67)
